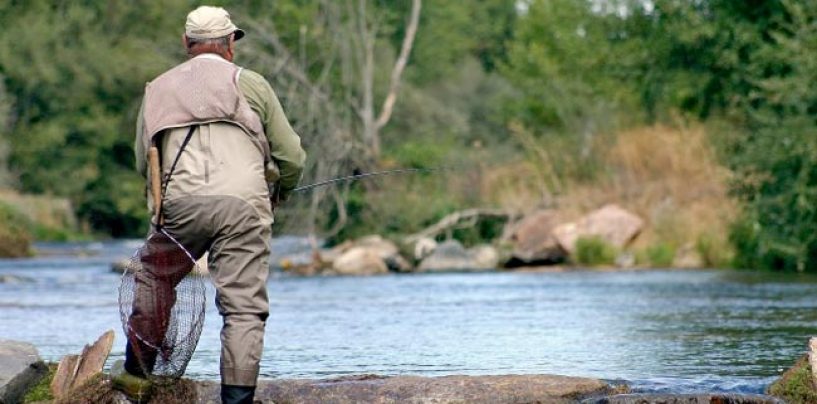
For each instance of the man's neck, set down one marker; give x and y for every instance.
(209, 55)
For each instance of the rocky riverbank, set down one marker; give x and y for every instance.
(541, 238)
(21, 369)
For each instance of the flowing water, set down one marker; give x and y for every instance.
(657, 330)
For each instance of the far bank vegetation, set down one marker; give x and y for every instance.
(559, 105)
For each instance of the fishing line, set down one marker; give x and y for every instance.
(368, 175)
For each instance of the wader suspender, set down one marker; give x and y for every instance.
(160, 217)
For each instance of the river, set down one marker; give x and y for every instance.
(657, 330)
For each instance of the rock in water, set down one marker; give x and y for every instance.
(359, 261)
(484, 256)
(533, 240)
(416, 389)
(386, 250)
(611, 223)
(377, 244)
(364, 257)
(452, 256)
(20, 369)
(14, 279)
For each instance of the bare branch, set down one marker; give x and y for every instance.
(453, 220)
(400, 65)
(296, 73)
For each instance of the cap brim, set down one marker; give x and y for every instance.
(239, 33)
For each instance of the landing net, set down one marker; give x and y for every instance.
(161, 304)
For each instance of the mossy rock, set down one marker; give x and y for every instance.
(796, 385)
(42, 391)
(99, 389)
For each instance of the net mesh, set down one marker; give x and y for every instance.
(162, 304)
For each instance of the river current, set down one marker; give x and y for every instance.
(657, 330)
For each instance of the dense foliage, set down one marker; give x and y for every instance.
(488, 82)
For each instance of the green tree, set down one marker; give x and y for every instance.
(777, 160)
(77, 71)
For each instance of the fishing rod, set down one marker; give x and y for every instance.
(368, 175)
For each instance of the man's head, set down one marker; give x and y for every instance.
(209, 30)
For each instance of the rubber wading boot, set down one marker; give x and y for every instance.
(237, 394)
(136, 388)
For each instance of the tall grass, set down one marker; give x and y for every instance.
(669, 176)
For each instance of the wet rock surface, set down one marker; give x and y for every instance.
(415, 389)
(685, 399)
(611, 223)
(533, 240)
(20, 369)
(359, 261)
(452, 256)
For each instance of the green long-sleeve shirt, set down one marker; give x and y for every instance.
(285, 144)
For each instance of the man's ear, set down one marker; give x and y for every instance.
(185, 41)
(230, 48)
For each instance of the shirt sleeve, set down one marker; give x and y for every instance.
(138, 145)
(285, 144)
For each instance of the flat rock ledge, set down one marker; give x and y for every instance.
(20, 369)
(416, 389)
(685, 399)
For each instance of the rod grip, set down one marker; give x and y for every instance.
(155, 179)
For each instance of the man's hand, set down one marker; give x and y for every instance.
(275, 196)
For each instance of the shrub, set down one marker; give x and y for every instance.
(795, 384)
(715, 252)
(660, 255)
(594, 251)
(15, 236)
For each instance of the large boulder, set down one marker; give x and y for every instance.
(416, 389)
(377, 244)
(451, 256)
(386, 250)
(533, 240)
(484, 256)
(20, 369)
(359, 261)
(611, 223)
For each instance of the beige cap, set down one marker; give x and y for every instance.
(208, 22)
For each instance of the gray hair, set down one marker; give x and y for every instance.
(220, 42)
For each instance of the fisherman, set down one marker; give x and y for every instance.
(227, 134)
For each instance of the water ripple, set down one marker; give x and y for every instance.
(661, 331)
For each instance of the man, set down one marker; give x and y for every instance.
(223, 133)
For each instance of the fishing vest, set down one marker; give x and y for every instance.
(199, 91)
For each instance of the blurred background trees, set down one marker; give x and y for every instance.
(527, 96)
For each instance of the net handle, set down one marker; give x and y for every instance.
(158, 188)
(155, 182)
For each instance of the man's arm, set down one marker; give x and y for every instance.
(138, 145)
(285, 144)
